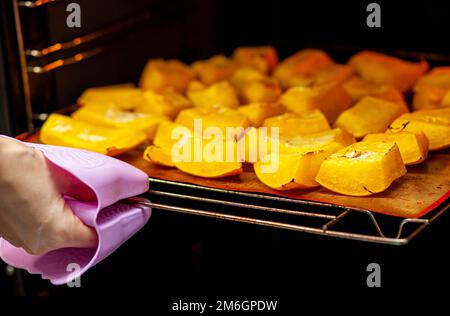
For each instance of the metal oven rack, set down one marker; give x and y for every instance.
(286, 213)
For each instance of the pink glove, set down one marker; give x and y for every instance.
(33, 214)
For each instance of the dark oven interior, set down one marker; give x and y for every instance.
(45, 65)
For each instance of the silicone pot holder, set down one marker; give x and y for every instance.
(92, 184)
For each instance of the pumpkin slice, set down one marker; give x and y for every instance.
(230, 123)
(413, 147)
(258, 142)
(262, 90)
(370, 115)
(207, 158)
(257, 112)
(362, 169)
(159, 74)
(302, 64)
(291, 124)
(262, 58)
(387, 70)
(284, 171)
(125, 96)
(330, 99)
(331, 75)
(167, 103)
(430, 91)
(435, 127)
(158, 155)
(114, 117)
(169, 133)
(215, 69)
(218, 95)
(62, 130)
(358, 88)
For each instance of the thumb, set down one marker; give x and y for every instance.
(78, 235)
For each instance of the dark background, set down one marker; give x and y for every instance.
(178, 256)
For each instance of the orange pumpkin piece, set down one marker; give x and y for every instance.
(362, 169)
(207, 158)
(61, 130)
(370, 115)
(358, 88)
(262, 58)
(331, 100)
(125, 96)
(167, 103)
(435, 124)
(285, 171)
(158, 155)
(159, 74)
(431, 89)
(413, 146)
(215, 69)
(291, 124)
(302, 63)
(114, 117)
(262, 90)
(258, 142)
(229, 123)
(387, 70)
(218, 95)
(257, 112)
(333, 74)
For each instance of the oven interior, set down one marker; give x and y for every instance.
(45, 66)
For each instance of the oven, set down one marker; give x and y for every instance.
(205, 241)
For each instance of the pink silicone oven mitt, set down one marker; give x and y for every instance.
(92, 184)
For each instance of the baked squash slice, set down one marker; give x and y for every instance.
(61, 130)
(362, 169)
(413, 146)
(291, 124)
(295, 170)
(435, 124)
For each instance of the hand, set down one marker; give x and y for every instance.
(33, 214)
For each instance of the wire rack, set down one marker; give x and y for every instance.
(286, 213)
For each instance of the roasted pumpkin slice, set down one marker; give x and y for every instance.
(159, 74)
(169, 133)
(262, 90)
(114, 117)
(436, 128)
(291, 124)
(258, 142)
(387, 70)
(413, 146)
(243, 76)
(257, 112)
(159, 155)
(330, 99)
(62, 130)
(302, 64)
(362, 169)
(218, 95)
(431, 89)
(262, 58)
(207, 158)
(331, 75)
(284, 171)
(167, 103)
(316, 141)
(215, 69)
(230, 123)
(370, 115)
(358, 88)
(125, 96)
